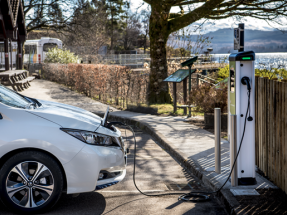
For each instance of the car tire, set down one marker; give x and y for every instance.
(30, 182)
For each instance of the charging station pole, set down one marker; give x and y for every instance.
(241, 88)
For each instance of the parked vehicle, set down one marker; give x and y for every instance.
(47, 148)
(35, 50)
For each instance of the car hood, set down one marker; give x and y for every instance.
(67, 116)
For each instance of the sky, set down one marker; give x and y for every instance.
(250, 23)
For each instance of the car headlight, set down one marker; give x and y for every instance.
(94, 138)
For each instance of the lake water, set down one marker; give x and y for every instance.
(268, 60)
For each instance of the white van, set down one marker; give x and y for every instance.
(35, 50)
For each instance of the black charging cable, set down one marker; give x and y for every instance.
(191, 196)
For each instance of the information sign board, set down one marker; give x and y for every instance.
(179, 75)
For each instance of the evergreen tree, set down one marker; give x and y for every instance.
(56, 13)
(116, 10)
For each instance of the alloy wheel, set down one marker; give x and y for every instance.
(30, 184)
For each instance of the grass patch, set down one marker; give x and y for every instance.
(163, 109)
(167, 109)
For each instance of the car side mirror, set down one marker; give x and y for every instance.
(1, 117)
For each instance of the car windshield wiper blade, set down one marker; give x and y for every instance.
(35, 101)
(29, 105)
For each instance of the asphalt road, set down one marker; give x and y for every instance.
(156, 172)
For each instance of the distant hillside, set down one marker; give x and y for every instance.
(256, 40)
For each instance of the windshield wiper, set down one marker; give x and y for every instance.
(35, 101)
(29, 106)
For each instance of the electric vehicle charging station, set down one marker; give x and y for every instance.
(241, 69)
(241, 101)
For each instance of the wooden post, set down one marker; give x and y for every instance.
(11, 52)
(19, 57)
(263, 126)
(6, 51)
(185, 95)
(189, 79)
(256, 122)
(259, 123)
(276, 131)
(174, 97)
(285, 127)
(267, 127)
(189, 87)
(279, 122)
(283, 137)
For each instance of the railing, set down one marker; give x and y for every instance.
(271, 129)
(203, 77)
(138, 60)
(206, 81)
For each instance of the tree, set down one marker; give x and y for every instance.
(116, 9)
(131, 32)
(188, 42)
(56, 13)
(145, 15)
(88, 28)
(163, 23)
(51, 14)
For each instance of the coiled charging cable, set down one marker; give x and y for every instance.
(192, 196)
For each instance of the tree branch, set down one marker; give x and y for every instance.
(148, 1)
(189, 2)
(195, 15)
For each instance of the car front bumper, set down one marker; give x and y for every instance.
(83, 170)
(101, 184)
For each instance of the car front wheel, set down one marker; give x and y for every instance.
(31, 181)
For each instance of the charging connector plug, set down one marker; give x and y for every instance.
(246, 81)
(110, 124)
(250, 118)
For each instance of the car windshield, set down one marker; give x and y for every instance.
(10, 98)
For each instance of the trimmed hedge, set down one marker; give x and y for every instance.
(110, 84)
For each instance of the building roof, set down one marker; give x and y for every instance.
(14, 4)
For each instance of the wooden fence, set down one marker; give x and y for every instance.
(271, 129)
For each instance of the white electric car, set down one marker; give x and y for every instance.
(47, 148)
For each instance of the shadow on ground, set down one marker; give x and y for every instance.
(86, 203)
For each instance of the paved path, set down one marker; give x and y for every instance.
(193, 147)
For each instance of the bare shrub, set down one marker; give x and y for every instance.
(111, 84)
(207, 97)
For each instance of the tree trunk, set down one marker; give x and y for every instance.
(158, 90)
(112, 36)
